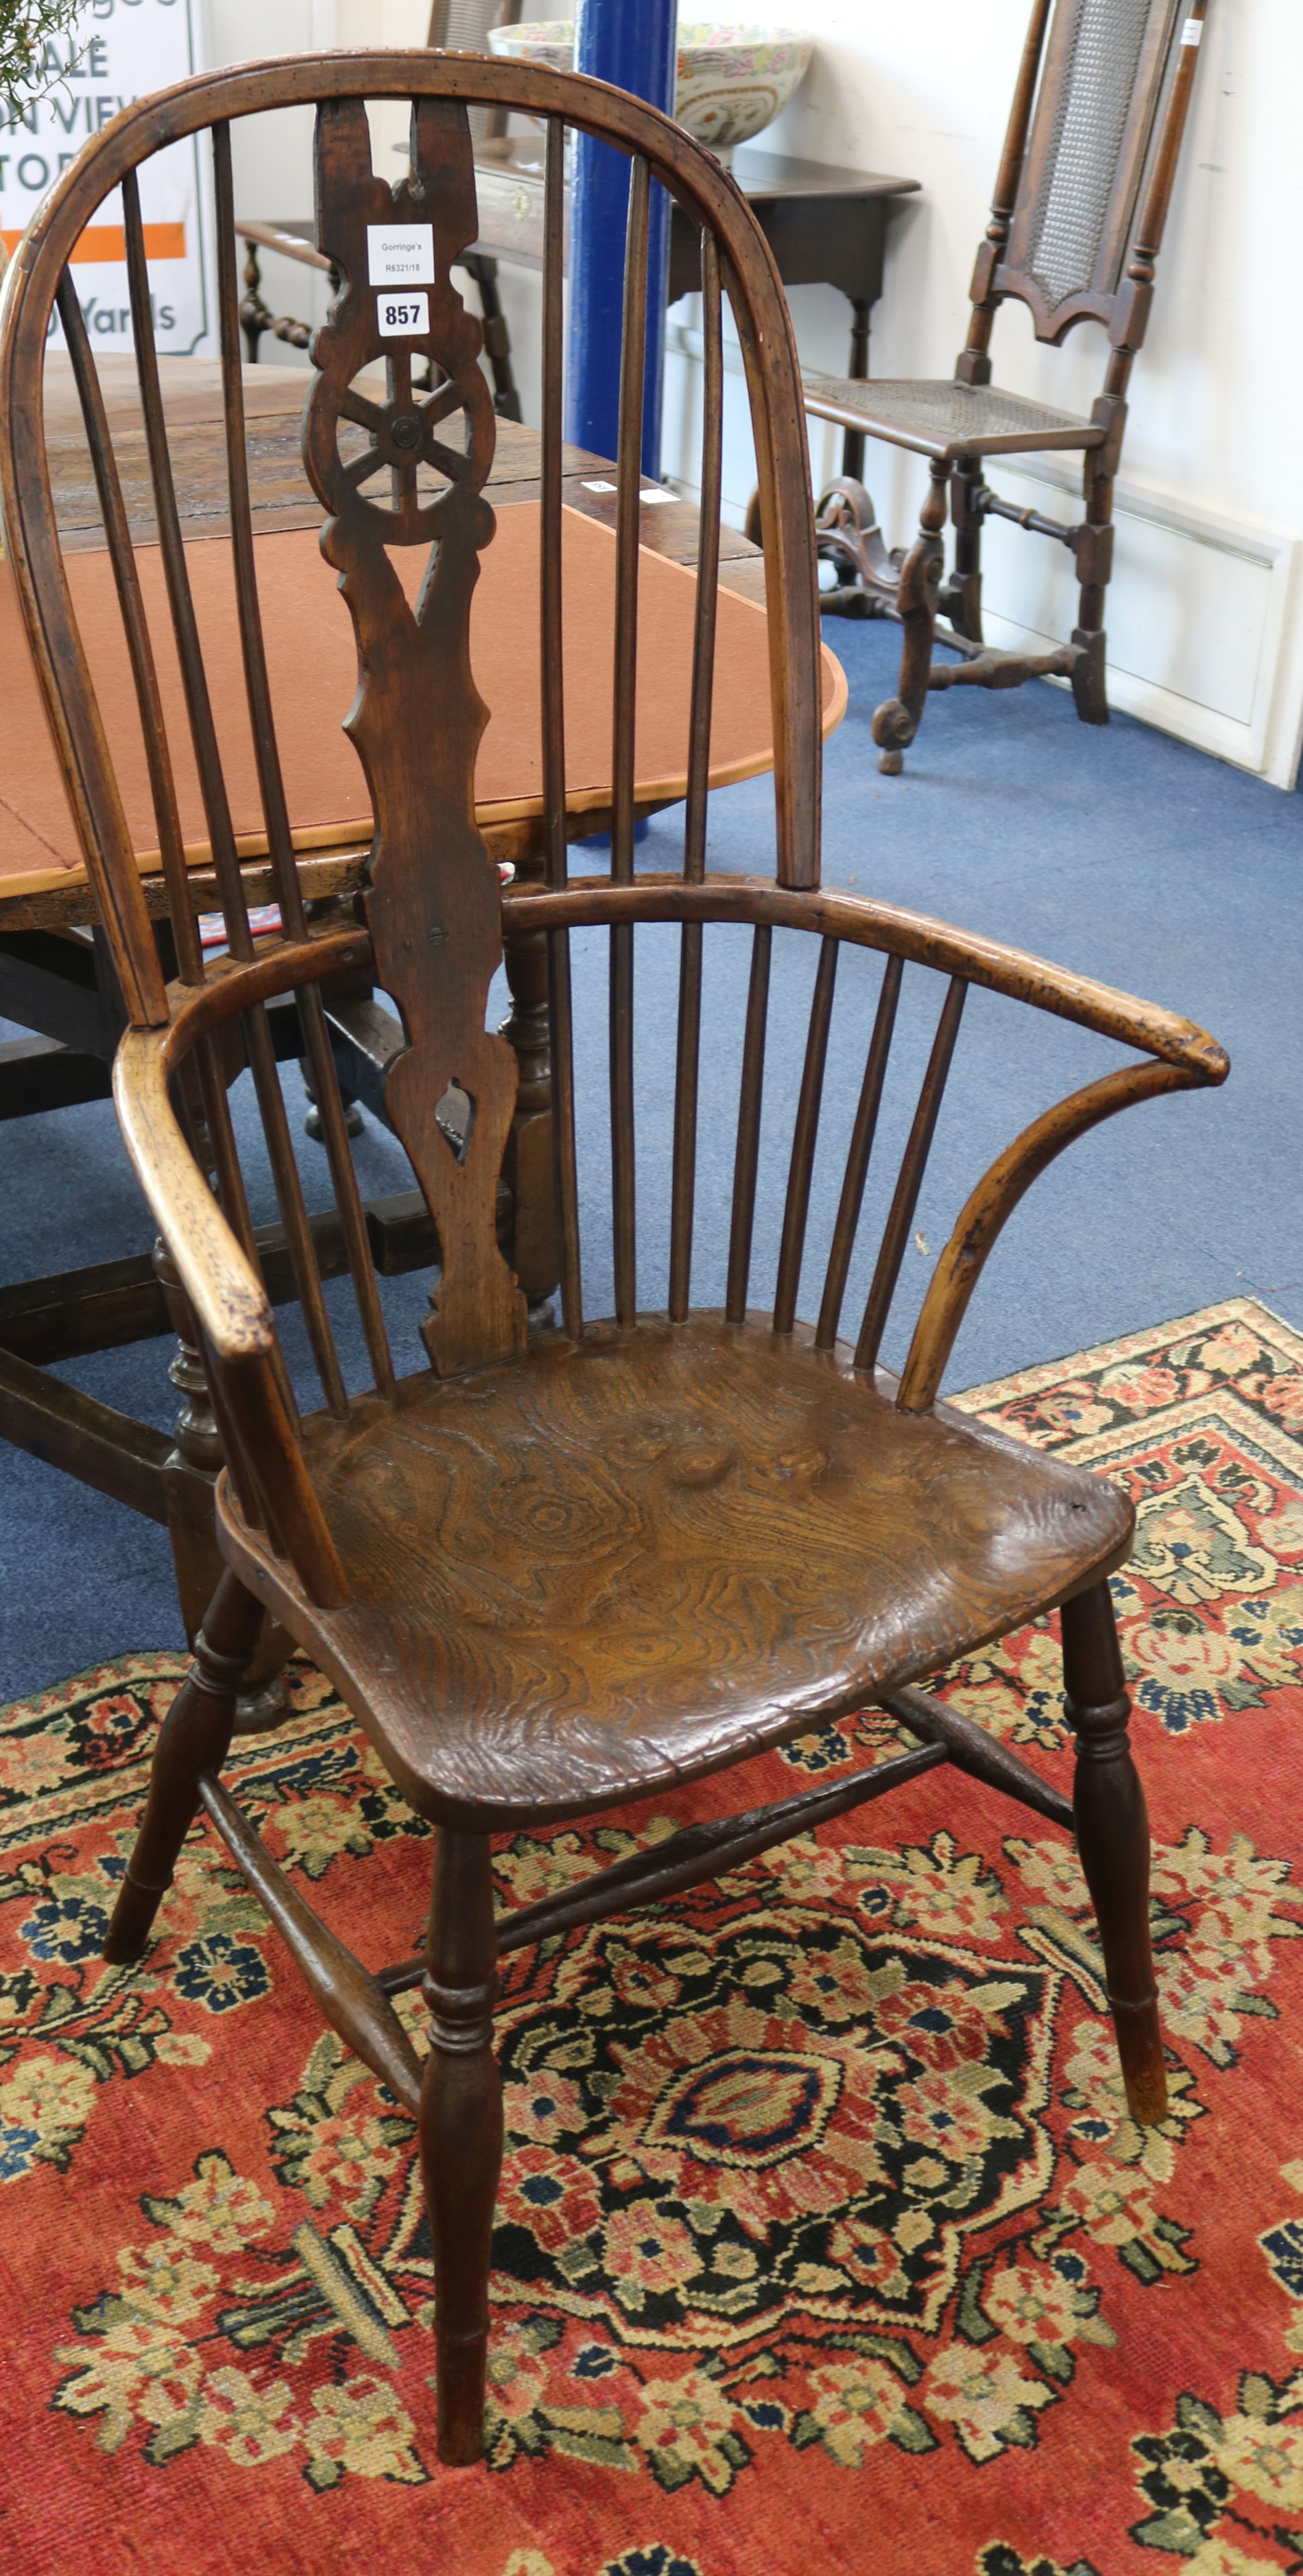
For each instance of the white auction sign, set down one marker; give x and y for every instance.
(118, 51)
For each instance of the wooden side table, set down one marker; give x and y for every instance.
(825, 227)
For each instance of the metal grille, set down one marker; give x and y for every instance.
(1086, 139)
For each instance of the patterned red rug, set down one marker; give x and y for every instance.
(824, 2236)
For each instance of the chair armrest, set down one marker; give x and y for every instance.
(995, 1198)
(229, 1302)
(1180, 1055)
(915, 936)
(228, 1299)
(232, 1314)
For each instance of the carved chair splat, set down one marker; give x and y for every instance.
(1077, 222)
(507, 1560)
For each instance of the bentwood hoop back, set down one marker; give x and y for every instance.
(552, 1572)
(1077, 222)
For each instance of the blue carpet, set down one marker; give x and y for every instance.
(1117, 852)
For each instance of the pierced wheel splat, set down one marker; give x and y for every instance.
(433, 903)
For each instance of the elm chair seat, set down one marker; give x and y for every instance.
(624, 1560)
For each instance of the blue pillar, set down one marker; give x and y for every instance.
(633, 43)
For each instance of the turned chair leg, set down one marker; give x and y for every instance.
(194, 1737)
(961, 598)
(1094, 567)
(1113, 1840)
(461, 2131)
(897, 720)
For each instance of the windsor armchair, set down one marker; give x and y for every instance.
(1076, 226)
(552, 1574)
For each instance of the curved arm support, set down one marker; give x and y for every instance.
(994, 1200)
(230, 1305)
(915, 936)
(231, 1311)
(254, 1406)
(229, 1302)
(225, 1293)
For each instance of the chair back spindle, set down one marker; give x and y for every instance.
(623, 747)
(552, 685)
(857, 1160)
(910, 1181)
(185, 627)
(687, 1064)
(801, 1169)
(746, 1165)
(140, 649)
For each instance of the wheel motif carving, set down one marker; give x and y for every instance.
(403, 435)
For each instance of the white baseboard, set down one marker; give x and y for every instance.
(1205, 637)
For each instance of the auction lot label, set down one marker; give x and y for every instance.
(403, 317)
(400, 254)
(119, 51)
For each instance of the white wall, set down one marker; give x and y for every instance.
(1206, 606)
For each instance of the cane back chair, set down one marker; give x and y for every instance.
(550, 1574)
(1076, 227)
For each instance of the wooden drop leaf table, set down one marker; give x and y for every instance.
(56, 980)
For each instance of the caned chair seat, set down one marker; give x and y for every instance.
(618, 1563)
(946, 420)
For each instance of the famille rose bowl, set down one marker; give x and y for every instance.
(732, 81)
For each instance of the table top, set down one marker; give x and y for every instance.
(765, 175)
(279, 493)
(312, 657)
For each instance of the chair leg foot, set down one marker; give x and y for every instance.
(1089, 686)
(1113, 1841)
(194, 1737)
(897, 720)
(461, 2132)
